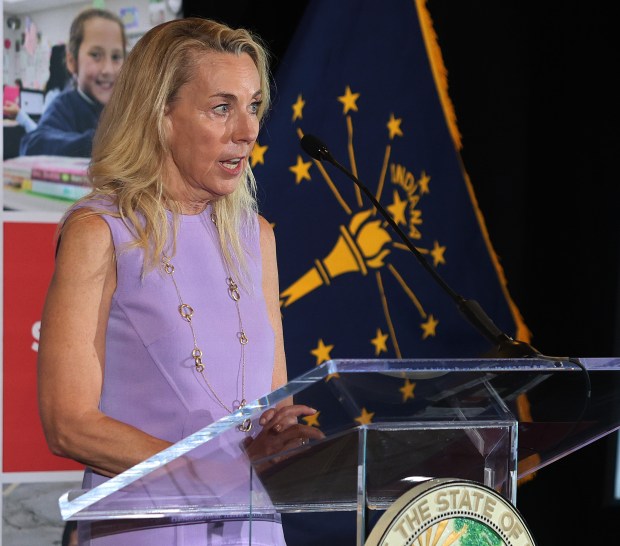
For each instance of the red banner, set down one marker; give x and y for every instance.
(28, 268)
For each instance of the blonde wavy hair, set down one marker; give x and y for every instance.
(130, 148)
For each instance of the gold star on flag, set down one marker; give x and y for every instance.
(298, 108)
(437, 254)
(301, 169)
(429, 327)
(312, 420)
(258, 154)
(407, 390)
(397, 209)
(423, 182)
(365, 418)
(394, 126)
(380, 342)
(348, 99)
(322, 352)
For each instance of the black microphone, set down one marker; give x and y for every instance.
(504, 345)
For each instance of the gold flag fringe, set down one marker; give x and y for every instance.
(438, 68)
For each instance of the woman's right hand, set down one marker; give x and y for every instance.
(281, 432)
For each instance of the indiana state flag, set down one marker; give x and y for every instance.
(367, 78)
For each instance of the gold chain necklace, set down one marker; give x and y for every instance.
(187, 312)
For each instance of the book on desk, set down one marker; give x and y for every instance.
(44, 182)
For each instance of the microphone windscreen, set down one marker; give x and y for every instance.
(314, 147)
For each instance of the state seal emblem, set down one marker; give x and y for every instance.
(451, 512)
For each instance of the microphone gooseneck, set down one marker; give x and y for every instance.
(503, 345)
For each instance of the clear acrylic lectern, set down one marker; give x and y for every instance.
(388, 425)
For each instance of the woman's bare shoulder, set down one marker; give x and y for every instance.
(267, 236)
(85, 240)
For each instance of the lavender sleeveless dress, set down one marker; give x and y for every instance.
(150, 381)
